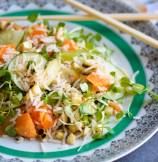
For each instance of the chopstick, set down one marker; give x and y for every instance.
(116, 24)
(134, 16)
(117, 16)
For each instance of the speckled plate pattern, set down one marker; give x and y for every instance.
(133, 55)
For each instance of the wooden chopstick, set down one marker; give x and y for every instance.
(118, 16)
(116, 24)
(134, 16)
(51, 17)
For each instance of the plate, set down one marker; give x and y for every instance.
(129, 53)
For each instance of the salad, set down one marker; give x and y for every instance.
(59, 84)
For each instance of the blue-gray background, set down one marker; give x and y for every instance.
(146, 153)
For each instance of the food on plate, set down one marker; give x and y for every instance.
(59, 84)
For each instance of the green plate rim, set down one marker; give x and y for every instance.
(135, 106)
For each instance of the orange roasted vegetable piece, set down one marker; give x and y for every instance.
(43, 117)
(25, 127)
(38, 30)
(4, 49)
(115, 106)
(100, 83)
(71, 45)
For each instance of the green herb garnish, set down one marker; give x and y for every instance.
(2, 118)
(46, 22)
(119, 115)
(129, 114)
(113, 73)
(99, 115)
(124, 82)
(98, 136)
(132, 88)
(51, 98)
(10, 131)
(32, 17)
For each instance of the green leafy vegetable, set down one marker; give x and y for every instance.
(46, 22)
(124, 82)
(99, 115)
(102, 51)
(138, 88)
(129, 114)
(10, 131)
(60, 25)
(132, 88)
(44, 53)
(29, 64)
(52, 98)
(119, 115)
(98, 136)
(68, 56)
(32, 17)
(113, 73)
(90, 39)
(115, 89)
(4, 75)
(86, 119)
(2, 118)
(10, 100)
(3, 72)
(10, 96)
(97, 37)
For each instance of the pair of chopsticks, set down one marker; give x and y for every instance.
(118, 16)
(115, 23)
(111, 19)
